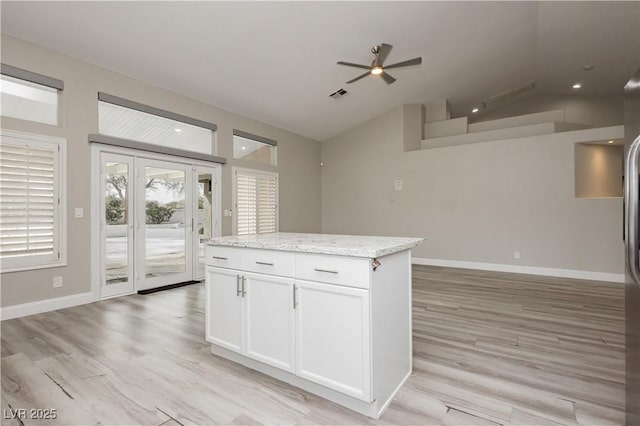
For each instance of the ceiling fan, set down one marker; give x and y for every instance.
(377, 66)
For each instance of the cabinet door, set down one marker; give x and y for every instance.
(333, 337)
(269, 320)
(224, 308)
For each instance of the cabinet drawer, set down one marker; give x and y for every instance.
(272, 262)
(342, 270)
(224, 257)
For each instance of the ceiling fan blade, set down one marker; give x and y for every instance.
(349, 64)
(383, 53)
(386, 77)
(414, 61)
(359, 77)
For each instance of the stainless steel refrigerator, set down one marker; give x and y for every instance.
(631, 234)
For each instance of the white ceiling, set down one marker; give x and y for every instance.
(276, 61)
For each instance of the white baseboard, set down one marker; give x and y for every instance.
(40, 306)
(532, 270)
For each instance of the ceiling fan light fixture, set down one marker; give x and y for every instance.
(377, 67)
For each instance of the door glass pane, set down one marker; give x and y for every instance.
(205, 222)
(117, 221)
(165, 221)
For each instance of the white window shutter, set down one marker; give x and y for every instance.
(256, 202)
(29, 203)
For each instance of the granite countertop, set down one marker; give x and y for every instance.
(341, 245)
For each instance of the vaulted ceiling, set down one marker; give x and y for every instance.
(276, 61)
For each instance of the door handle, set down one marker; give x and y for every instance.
(631, 194)
(295, 298)
(238, 292)
(244, 291)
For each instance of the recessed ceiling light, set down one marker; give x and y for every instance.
(475, 110)
(610, 141)
(376, 70)
(177, 130)
(577, 86)
(243, 148)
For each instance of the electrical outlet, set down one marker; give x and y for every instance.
(516, 255)
(397, 185)
(79, 212)
(57, 282)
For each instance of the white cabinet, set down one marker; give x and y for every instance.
(268, 320)
(251, 314)
(332, 337)
(332, 325)
(224, 309)
(342, 270)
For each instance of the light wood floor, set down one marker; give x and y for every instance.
(489, 348)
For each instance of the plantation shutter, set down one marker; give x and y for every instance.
(28, 201)
(256, 202)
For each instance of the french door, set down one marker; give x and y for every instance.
(156, 216)
(165, 225)
(116, 225)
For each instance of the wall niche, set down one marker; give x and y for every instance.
(599, 167)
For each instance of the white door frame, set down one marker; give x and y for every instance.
(215, 211)
(96, 214)
(127, 287)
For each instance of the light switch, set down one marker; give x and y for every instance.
(397, 185)
(57, 282)
(79, 212)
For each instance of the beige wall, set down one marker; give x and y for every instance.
(594, 111)
(476, 203)
(598, 170)
(298, 160)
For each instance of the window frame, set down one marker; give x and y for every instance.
(39, 79)
(235, 171)
(255, 138)
(24, 263)
(161, 113)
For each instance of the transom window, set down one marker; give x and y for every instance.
(30, 96)
(254, 148)
(125, 119)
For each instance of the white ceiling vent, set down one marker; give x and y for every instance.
(338, 94)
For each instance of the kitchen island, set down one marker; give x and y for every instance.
(330, 314)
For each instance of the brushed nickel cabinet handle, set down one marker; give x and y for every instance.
(244, 291)
(325, 270)
(219, 258)
(264, 263)
(238, 292)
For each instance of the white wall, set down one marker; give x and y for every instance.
(475, 203)
(298, 159)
